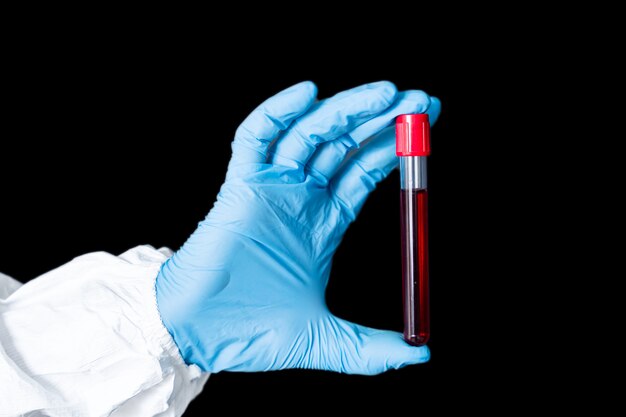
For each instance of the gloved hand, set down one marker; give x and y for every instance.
(246, 291)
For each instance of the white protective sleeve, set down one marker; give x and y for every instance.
(86, 339)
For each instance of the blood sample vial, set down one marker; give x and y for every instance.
(412, 147)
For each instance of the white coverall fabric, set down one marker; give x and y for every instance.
(86, 339)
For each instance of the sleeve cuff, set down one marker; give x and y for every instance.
(87, 338)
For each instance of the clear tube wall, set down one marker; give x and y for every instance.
(414, 247)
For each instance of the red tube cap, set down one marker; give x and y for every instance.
(412, 135)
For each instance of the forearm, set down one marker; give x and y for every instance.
(87, 339)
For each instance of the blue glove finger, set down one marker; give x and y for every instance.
(265, 123)
(412, 101)
(347, 93)
(329, 156)
(370, 165)
(434, 110)
(329, 120)
(366, 351)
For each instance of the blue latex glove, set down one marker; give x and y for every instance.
(246, 291)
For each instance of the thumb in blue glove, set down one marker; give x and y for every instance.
(246, 291)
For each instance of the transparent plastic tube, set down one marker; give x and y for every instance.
(412, 147)
(414, 241)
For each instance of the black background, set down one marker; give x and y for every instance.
(112, 147)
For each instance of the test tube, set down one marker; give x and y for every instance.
(412, 148)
